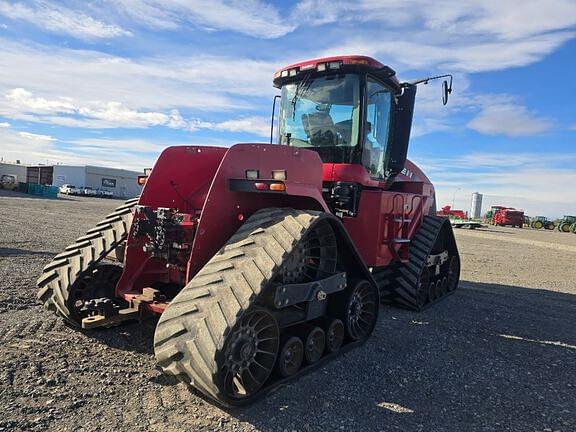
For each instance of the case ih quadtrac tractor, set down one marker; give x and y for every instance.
(261, 260)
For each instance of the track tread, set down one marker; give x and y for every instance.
(265, 240)
(399, 286)
(58, 276)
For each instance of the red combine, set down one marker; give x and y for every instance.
(508, 216)
(264, 260)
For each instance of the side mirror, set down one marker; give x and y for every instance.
(446, 90)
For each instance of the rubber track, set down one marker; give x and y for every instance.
(66, 268)
(190, 335)
(398, 285)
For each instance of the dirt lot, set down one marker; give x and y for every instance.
(499, 355)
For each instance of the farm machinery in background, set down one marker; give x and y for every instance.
(567, 224)
(458, 218)
(507, 216)
(8, 182)
(264, 260)
(541, 222)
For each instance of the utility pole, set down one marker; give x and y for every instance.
(454, 196)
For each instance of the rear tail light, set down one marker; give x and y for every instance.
(261, 186)
(278, 187)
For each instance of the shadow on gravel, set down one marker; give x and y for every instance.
(4, 252)
(135, 337)
(489, 358)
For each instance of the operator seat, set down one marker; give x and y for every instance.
(319, 128)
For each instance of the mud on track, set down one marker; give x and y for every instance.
(498, 355)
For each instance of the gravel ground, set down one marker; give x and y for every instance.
(499, 355)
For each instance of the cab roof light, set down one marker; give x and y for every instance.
(279, 175)
(252, 174)
(284, 73)
(321, 67)
(293, 72)
(334, 65)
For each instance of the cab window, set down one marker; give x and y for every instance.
(378, 108)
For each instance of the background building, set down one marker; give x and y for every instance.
(33, 174)
(123, 183)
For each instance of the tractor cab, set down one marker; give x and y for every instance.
(351, 110)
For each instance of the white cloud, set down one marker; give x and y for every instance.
(255, 125)
(36, 137)
(58, 19)
(22, 98)
(148, 84)
(454, 54)
(466, 36)
(34, 148)
(508, 119)
(4, 125)
(100, 115)
(252, 17)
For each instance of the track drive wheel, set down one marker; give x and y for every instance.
(250, 354)
(361, 311)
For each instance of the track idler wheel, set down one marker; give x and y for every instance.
(361, 312)
(314, 345)
(250, 351)
(334, 335)
(290, 357)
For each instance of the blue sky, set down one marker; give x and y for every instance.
(114, 82)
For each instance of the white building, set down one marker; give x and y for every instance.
(123, 183)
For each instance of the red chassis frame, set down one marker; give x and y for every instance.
(196, 181)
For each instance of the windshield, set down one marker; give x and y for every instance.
(322, 114)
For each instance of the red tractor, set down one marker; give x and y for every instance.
(261, 260)
(508, 216)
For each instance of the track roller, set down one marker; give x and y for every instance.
(291, 357)
(314, 345)
(334, 335)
